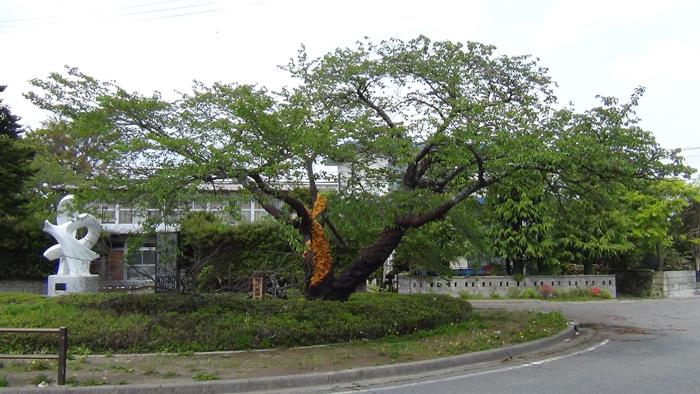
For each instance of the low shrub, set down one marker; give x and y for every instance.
(582, 294)
(513, 293)
(186, 323)
(529, 293)
(596, 292)
(546, 290)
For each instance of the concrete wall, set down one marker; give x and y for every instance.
(39, 286)
(674, 284)
(127, 286)
(487, 286)
(23, 286)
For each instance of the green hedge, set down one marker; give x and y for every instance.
(180, 323)
(236, 251)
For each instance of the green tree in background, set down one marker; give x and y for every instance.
(592, 230)
(65, 156)
(432, 247)
(520, 225)
(20, 232)
(15, 161)
(689, 244)
(657, 217)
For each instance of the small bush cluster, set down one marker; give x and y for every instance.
(547, 292)
(185, 323)
(528, 293)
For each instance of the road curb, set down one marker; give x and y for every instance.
(313, 379)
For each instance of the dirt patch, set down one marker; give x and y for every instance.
(622, 333)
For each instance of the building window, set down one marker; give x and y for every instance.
(177, 214)
(252, 211)
(142, 264)
(199, 206)
(107, 213)
(154, 215)
(126, 215)
(246, 216)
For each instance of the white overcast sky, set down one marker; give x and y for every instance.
(591, 47)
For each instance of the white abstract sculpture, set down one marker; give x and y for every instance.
(74, 254)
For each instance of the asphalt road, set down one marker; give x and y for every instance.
(639, 346)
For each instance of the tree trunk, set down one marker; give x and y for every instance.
(588, 267)
(660, 256)
(369, 259)
(518, 267)
(509, 267)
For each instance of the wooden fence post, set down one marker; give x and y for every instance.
(62, 354)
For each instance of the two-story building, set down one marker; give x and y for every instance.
(131, 258)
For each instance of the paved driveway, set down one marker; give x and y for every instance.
(640, 346)
(659, 315)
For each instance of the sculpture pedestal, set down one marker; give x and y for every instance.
(69, 284)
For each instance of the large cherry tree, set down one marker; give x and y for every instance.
(420, 125)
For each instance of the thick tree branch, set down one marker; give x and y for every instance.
(440, 211)
(296, 204)
(433, 90)
(432, 106)
(479, 161)
(422, 163)
(262, 200)
(184, 150)
(334, 230)
(424, 166)
(439, 185)
(411, 174)
(313, 190)
(369, 103)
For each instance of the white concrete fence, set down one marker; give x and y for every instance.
(487, 286)
(674, 284)
(23, 286)
(39, 286)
